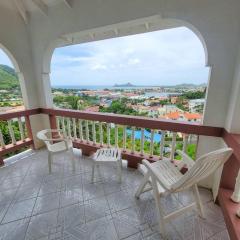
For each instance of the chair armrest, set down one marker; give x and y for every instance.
(185, 160)
(56, 139)
(159, 177)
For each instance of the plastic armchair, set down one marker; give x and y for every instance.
(163, 177)
(59, 143)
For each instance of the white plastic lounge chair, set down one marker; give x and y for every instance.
(56, 145)
(163, 177)
(107, 155)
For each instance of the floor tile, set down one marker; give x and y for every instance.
(46, 203)
(14, 230)
(68, 197)
(127, 222)
(96, 208)
(120, 200)
(71, 216)
(11, 183)
(26, 192)
(92, 190)
(95, 230)
(7, 196)
(19, 210)
(42, 225)
(50, 187)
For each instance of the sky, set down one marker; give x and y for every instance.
(166, 57)
(4, 59)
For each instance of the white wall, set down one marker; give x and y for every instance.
(217, 21)
(15, 40)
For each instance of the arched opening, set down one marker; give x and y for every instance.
(11, 96)
(11, 100)
(166, 71)
(158, 74)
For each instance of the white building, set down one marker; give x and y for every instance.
(193, 104)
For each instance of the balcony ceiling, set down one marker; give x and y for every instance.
(24, 7)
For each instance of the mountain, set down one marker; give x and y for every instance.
(124, 85)
(8, 78)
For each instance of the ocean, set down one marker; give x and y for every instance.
(101, 87)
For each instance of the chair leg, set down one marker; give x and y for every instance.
(198, 200)
(50, 163)
(119, 171)
(99, 172)
(93, 170)
(73, 160)
(159, 209)
(142, 185)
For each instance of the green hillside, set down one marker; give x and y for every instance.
(8, 78)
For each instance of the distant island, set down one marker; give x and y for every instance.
(124, 85)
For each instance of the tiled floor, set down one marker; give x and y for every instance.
(66, 205)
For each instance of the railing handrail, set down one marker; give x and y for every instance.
(15, 114)
(137, 121)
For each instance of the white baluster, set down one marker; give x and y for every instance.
(142, 141)
(185, 142)
(101, 133)
(236, 194)
(238, 213)
(69, 127)
(87, 131)
(63, 126)
(58, 123)
(80, 130)
(174, 136)
(116, 135)
(162, 143)
(21, 128)
(108, 135)
(152, 142)
(11, 132)
(2, 140)
(133, 140)
(94, 132)
(124, 138)
(74, 128)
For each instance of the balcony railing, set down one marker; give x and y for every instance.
(15, 122)
(93, 130)
(90, 131)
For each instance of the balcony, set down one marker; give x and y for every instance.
(36, 205)
(34, 30)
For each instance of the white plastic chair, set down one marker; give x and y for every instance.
(56, 145)
(163, 177)
(107, 155)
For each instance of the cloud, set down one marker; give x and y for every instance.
(133, 61)
(99, 66)
(162, 57)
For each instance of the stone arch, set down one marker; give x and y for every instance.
(197, 33)
(46, 67)
(19, 74)
(11, 57)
